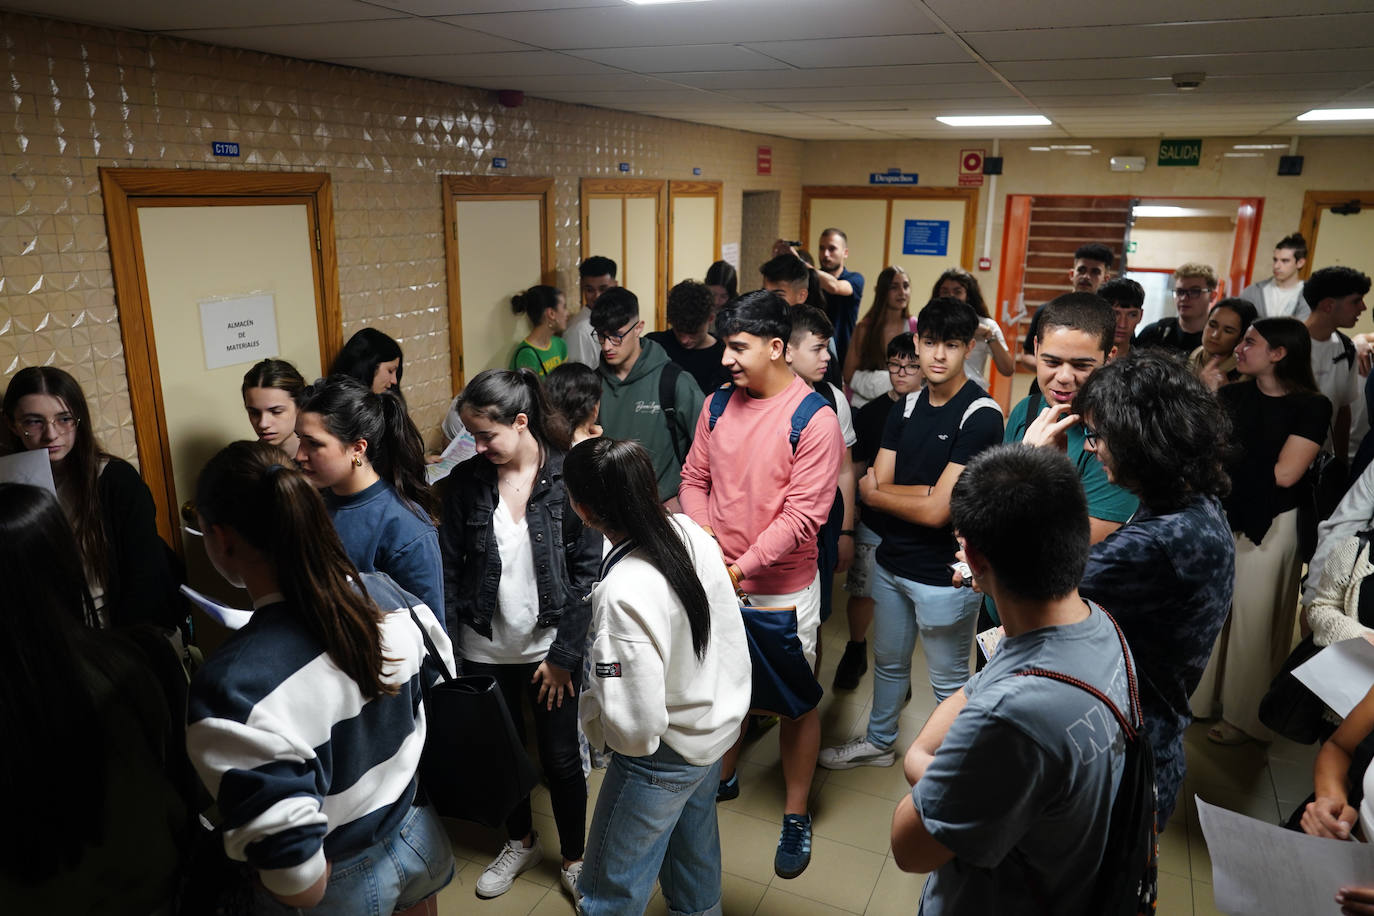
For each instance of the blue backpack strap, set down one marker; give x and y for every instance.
(719, 398)
(813, 402)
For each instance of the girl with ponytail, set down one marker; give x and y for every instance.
(671, 687)
(361, 449)
(518, 567)
(547, 309)
(326, 647)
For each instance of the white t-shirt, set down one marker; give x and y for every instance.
(578, 336)
(846, 417)
(1279, 303)
(516, 637)
(1337, 377)
(976, 363)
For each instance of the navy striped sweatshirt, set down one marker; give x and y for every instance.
(305, 769)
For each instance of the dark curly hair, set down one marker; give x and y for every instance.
(1167, 435)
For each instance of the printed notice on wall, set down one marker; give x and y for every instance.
(729, 253)
(240, 330)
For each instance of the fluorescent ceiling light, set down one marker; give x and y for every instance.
(657, 2)
(994, 120)
(1083, 146)
(1148, 210)
(1038, 149)
(1338, 114)
(1243, 155)
(1260, 146)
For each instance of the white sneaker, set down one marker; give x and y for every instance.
(856, 753)
(501, 873)
(571, 875)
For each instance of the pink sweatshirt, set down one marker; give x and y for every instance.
(764, 503)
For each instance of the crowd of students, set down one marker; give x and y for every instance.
(626, 490)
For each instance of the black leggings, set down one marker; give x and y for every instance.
(555, 733)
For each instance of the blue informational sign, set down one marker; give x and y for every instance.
(498, 162)
(926, 236)
(696, 171)
(225, 149)
(892, 177)
(624, 166)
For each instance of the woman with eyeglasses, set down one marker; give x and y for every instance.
(865, 364)
(1281, 420)
(109, 506)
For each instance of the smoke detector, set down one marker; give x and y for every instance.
(1187, 82)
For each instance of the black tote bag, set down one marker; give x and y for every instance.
(473, 767)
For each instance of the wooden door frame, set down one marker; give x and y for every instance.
(123, 189)
(622, 188)
(1313, 204)
(888, 193)
(487, 187)
(712, 189)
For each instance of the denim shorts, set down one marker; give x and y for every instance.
(391, 875)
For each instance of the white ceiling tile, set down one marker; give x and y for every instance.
(928, 74)
(994, 91)
(1340, 31)
(170, 15)
(459, 66)
(565, 82)
(330, 41)
(465, 7)
(1015, 14)
(873, 51)
(697, 23)
(681, 58)
(1214, 65)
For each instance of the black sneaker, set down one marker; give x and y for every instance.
(852, 665)
(794, 846)
(728, 788)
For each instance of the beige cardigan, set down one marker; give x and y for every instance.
(1334, 614)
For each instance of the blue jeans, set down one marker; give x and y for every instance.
(655, 816)
(391, 875)
(943, 616)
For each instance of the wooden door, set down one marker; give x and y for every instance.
(693, 229)
(625, 219)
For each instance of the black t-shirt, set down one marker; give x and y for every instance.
(704, 365)
(1261, 425)
(1165, 334)
(869, 422)
(925, 442)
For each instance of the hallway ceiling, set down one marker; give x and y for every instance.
(835, 70)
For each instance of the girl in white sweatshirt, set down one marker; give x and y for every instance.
(669, 690)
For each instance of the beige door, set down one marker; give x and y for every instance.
(693, 229)
(209, 285)
(499, 244)
(865, 223)
(1337, 239)
(625, 220)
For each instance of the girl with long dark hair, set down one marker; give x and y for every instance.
(363, 451)
(307, 725)
(988, 340)
(670, 687)
(109, 506)
(1280, 420)
(542, 349)
(865, 365)
(518, 567)
(97, 818)
(272, 392)
(372, 358)
(723, 281)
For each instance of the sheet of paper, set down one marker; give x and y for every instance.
(231, 617)
(988, 641)
(459, 450)
(1341, 674)
(1261, 869)
(32, 468)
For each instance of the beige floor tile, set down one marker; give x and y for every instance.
(777, 902)
(855, 818)
(1291, 778)
(555, 903)
(839, 875)
(1198, 856)
(897, 893)
(1173, 851)
(1204, 903)
(1175, 895)
(1263, 806)
(520, 900)
(747, 844)
(762, 791)
(884, 782)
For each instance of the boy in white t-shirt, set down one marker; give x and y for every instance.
(1336, 296)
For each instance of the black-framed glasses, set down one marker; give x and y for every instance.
(1192, 292)
(904, 368)
(617, 339)
(1090, 436)
(34, 425)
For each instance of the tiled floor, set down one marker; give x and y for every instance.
(851, 868)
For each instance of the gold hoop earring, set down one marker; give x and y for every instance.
(357, 461)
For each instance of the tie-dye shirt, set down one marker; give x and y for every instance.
(1167, 579)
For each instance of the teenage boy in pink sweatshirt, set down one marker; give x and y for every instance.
(764, 502)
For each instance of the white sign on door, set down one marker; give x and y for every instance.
(241, 330)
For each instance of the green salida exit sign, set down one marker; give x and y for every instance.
(1180, 152)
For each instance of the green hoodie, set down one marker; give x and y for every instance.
(630, 410)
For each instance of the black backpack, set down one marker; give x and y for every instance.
(1127, 881)
(667, 402)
